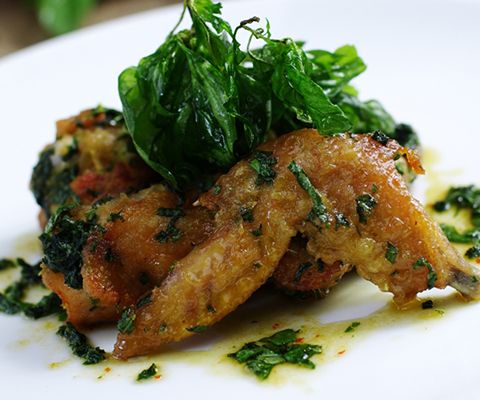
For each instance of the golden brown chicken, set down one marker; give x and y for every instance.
(343, 193)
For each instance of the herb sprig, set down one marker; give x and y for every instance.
(262, 356)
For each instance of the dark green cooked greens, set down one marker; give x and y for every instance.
(202, 101)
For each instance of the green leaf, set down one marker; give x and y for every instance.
(61, 16)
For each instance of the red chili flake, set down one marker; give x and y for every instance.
(157, 377)
(107, 370)
(299, 340)
(276, 325)
(342, 352)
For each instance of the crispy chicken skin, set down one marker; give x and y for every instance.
(302, 276)
(126, 258)
(355, 176)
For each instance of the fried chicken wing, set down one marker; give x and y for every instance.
(130, 253)
(342, 193)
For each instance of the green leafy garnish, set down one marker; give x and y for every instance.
(247, 214)
(171, 233)
(261, 356)
(202, 101)
(318, 210)
(263, 163)
(431, 276)
(148, 373)
(63, 241)
(391, 253)
(365, 206)
(80, 346)
(462, 198)
(11, 299)
(473, 252)
(126, 323)
(352, 327)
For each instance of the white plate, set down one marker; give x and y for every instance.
(424, 64)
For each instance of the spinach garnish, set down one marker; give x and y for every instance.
(261, 356)
(80, 346)
(318, 210)
(365, 206)
(202, 101)
(148, 373)
(11, 299)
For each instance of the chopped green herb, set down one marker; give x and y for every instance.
(263, 163)
(318, 210)
(467, 237)
(352, 327)
(431, 276)
(473, 252)
(80, 346)
(11, 300)
(341, 220)
(162, 328)
(380, 137)
(301, 270)
(148, 373)
(365, 206)
(217, 189)
(262, 356)
(198, 328)
(428, 304)
(400, 167)
(63, 241)
(462, 198)
(115, 217)
(126, 323)
(171, 233)
(211, 309)
(257, 232)
(374, 188)
(144, 301)
(391, 254)
(246, 214)
(170, 212)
